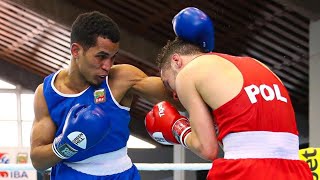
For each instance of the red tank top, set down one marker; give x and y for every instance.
(263, 103)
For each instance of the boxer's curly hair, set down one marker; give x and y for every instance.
(89, 26)
(178, 46)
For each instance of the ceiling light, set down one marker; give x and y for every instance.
(136, 143)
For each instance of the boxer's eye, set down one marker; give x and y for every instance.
(101, 57)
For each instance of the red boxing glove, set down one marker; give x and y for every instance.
(166, 126)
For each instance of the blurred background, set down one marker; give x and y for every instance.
(34, 42)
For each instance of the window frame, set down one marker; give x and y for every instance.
(18, 91)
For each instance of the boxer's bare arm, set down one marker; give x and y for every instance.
(42, 134)
(153, 89)
(203, 140)
(150, 88)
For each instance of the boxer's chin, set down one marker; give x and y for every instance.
(97, 80)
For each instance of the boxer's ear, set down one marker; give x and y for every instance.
(75, 50)
(176, 62)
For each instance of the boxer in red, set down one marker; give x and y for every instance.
(244, 98)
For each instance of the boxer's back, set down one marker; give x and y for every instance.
(263, 103)
(258, 129)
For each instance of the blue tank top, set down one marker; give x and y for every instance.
(59, 105)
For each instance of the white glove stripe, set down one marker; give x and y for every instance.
(183, 141)
(56, 151)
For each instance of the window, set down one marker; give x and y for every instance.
(16, 116)
(26, 130)
(27, 117)
(5, 85)
(8, 106)
(9, 134)
(27, 113)
(137, 143)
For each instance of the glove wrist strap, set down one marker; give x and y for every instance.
(63, 151)
(183, 137)
(181, 129)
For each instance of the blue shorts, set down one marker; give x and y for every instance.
(63, 172)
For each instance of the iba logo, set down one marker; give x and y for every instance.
(312, 157)
(14, 174)
(4, 158)
(4, 174)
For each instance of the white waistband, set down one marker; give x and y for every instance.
(104, 164)
(261, 144)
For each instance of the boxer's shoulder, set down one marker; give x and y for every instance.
(39, 95)
(39, 89)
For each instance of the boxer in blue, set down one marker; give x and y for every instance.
(82, 112)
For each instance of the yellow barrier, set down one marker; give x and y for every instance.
(312, 157)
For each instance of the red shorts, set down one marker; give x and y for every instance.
(259, 169)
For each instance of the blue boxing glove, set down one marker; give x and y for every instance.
(85, 126)
(193, 25)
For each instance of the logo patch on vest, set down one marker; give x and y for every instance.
(99, 96)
